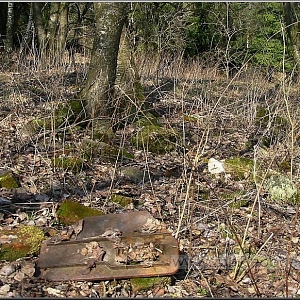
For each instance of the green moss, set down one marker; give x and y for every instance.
(238, 203)
(204, 195)
(269, 119)
(70, 212)
(32, 236)
(70, 112)
(148, 119)
(8, 181)
(139, 284)
(94, 148)
(122, 200)
(285, 166)
(156, 139)
(264, 116)
(189, 118)
(281, 189)
(236, 197)
(135, 174)
(201, 291)
(68, 163)
(239, 167)
(27, 242)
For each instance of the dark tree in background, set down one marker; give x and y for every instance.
(291, 14)
(9, 27)
(52, 34)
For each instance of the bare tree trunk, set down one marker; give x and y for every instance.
(63, 27)
(58, 29)
(291, 12)
(41, 32)
(98, 90)
(9, 28)
(129, 91)
(28, 33)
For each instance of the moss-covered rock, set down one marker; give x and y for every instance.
(70, 112)
(281, 188)
(95, 148)
(135, 174)
(74, 164)
(156, 139)
(269, 119)
(103, 131)
(23, 241)
(139, 284)
(71, 212)
(239, 167)
(235, 198)
(265, 116)
(122, 200)
(8, 180)
(148, 119)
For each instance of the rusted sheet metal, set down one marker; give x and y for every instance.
(113, 246)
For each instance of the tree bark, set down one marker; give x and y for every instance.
(52, 35)
(28, 34)
(9, 27)
(39, 25)
(98, 90)
(58, 30)
(293, 27)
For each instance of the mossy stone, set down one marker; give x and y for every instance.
(70, 112)
(139, 284)
(264, 116)
(235, 196)
(156, 139)
(68, 163)
(103, 131)
(71, 212)
(204, 195)
(122, 200)
(285, 165)
(8, 180)
(94, 148)
(135, 174)
(281, 188)
(147, 119)
(239, 167)
(26, 241)
(189, 118)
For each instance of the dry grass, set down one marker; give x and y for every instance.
(216, 117)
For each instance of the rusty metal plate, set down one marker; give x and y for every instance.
(113, 246)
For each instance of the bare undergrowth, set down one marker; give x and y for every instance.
(232, 249)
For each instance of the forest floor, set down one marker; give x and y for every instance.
(238, 241)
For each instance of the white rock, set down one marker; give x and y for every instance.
(7, 270)
(215, 166)
(4, 289)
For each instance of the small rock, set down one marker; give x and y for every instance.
(54, 292)
(135, 175)
(22, 194)
(42, 198)
(4, 201)
(4, 289)
(19, 276)
(296, 264)
(158, 292)
(41, 221)
(215, 166)
(28, 269)
(7, 270)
